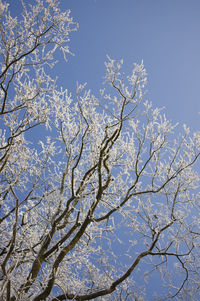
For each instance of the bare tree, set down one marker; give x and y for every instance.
(110, 189)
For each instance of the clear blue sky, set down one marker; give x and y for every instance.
(164, 33)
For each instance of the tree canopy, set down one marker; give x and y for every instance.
(107, 190)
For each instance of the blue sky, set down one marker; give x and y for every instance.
(165, 34)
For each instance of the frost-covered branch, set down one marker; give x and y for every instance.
(108, 190)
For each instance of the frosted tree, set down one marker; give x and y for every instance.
(107, 192)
